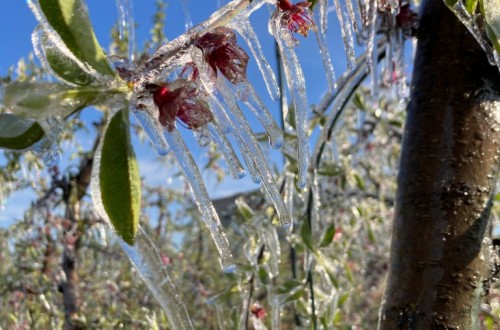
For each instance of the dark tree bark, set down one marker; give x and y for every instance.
(441, 258)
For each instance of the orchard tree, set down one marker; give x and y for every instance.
(311, 249)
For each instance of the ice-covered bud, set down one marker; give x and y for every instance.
(298, 18)
(222, 53)
(180, 100)
(407, 20)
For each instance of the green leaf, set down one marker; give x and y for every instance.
(17, 133)
(70, 19)
(119, 178)
(330, 170)
(328, 236)
(471, 6)
(306, 234)
(263, 276)
(63, 66)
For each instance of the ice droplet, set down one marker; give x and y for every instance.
(193, 177)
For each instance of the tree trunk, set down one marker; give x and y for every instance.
(441, 258)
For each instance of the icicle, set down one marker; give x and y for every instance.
(345, 29)
(202, 136)
(195, 181)
(146, 112)
(354, 18)
(227, 110)
(248, 34)
(233, 163)
(126, 25)
(275, 308)
(146, 259)
(189, 21)
(297, 86)
(327, 61)
(246, 93)
(323, 16)
(372, 15)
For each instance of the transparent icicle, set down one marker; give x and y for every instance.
(323, 16)
(187, 15)
(248, 34)
(126, 25)
(146, 259)
(233, 163)
(227, 109)
(146, 113)
(245, 302)
(297, 86)
(354, 13)
(246, 93)
(201, 198)
(252, 168)
(372, 14)
(345, 29)
(327, 61)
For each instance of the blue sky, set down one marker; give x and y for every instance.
(17, 24)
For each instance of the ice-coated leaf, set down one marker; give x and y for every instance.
(471, 6)
(491, 12)
(63, 66)
(41, 100)
(70, 19)
(119, 179)
(17, 133)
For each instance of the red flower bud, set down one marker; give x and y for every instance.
(298, 17)
(180, 100)
(221, 52)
